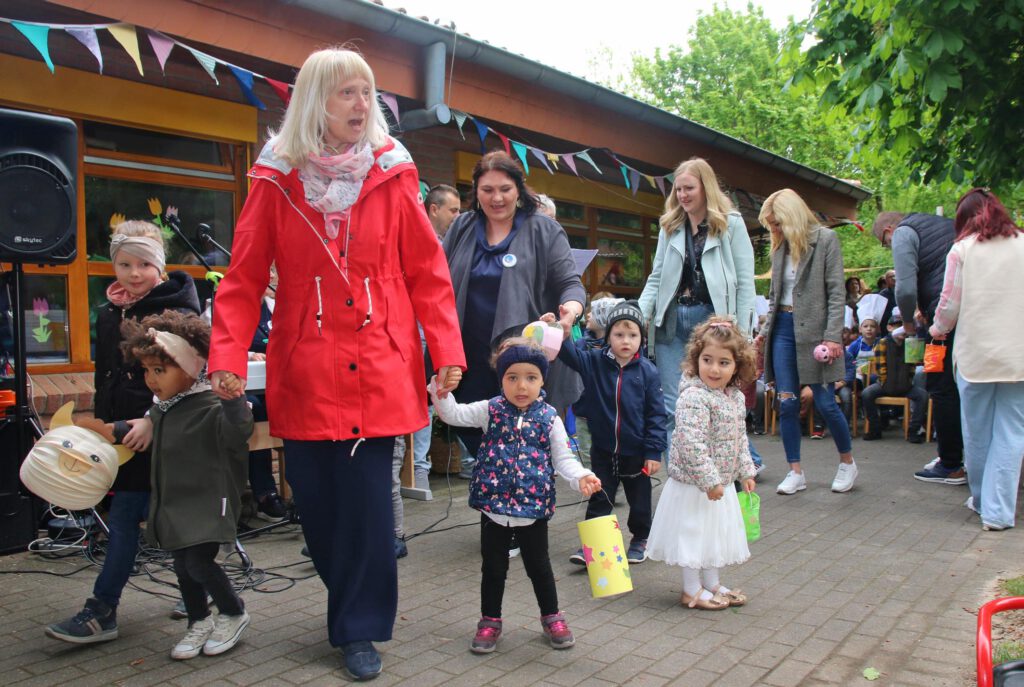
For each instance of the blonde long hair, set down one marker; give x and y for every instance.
(718, 204)
(796, 219)
(305, 121)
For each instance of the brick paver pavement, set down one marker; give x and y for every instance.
(886, 576)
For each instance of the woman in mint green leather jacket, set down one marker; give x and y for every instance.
(699, 220)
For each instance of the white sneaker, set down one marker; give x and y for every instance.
(227, 629)
(794, 482)
(969, 503)
(845, 476)
(759, 469)
(929, 465)
(512, 553)
(192, 643)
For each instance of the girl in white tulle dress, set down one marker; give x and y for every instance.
(698, 524)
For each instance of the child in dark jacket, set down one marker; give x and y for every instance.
(199, 464)
(513, 484)
(625, 410)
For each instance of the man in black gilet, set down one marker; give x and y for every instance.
(919, 244)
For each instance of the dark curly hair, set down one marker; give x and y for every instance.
(722, 331)
(139, 344)
(500, 161)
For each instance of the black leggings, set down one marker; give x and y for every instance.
(198, 573)
(533, 541)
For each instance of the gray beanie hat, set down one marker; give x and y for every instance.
(627, 310)
(601, 309)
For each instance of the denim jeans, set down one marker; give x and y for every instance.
(787, 381)
(669, 356)
(127, 510)
(421, 444)
(993, 415)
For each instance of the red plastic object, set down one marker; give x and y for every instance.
(984, 653)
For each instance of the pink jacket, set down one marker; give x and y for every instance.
(344, 360)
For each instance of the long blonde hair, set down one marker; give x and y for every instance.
(305, 121)
(796, 219)
(718, 204)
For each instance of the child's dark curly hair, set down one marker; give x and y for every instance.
(722, 331)
(138, 344)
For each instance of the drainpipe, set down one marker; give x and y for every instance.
(436, 112)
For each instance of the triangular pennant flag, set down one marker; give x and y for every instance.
(162, 46)
(586, 156)
(391, 101)
(129, 40)
(661, 184)
(521, 152)
(625, 174)
(552, 158)
(460, 119)
(482, 130)
(209, 64)
(670, 178)
(37, 36)
(244, 78)
(570, 163)
(281, 88)
(650, 180)
(504, 142)
(539, 154)
(86, 35)
(634, 180)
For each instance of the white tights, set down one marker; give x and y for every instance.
(694, 579)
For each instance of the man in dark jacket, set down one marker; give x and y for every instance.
(919, 244)
(625, 410)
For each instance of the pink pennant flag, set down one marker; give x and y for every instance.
(86, 35)
(571, 163)
(392, 102)
(661, 184)
(129, 40)
(504, 142)
(162, 46)
(281, 88)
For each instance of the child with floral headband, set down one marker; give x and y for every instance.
(698, 524)
(200, 453)
(513, 484)
(141, 288)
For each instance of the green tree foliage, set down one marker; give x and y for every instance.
(728, 77)
(937, 82)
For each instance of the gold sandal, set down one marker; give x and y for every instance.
(715, 603)
(733, 597)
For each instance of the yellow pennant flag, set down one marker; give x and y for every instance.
(552, 158)
(125, 35)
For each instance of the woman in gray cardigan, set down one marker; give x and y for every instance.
(681, 292)
(805, 310)
(510, 264)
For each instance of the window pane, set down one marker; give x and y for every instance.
(621, 220)
(620, 263)
(139, 200)
(570, 212)
(121, 139)
(45, 304)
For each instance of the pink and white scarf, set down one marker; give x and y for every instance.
(332, 183)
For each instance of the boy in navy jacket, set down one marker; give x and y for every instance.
(625, 410)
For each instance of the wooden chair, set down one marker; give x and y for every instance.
(903, 402)
(770, 414)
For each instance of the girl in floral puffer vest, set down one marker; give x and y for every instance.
(698, 524)
(513, 484)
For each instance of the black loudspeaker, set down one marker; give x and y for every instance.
(38, 155)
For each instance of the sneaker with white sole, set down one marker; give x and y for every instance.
(969, 503)
(227, 629)
(794, 482)
(932, 463)
(845, 477)
(191, 645)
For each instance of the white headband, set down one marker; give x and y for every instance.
(144, 247)
(181, 352)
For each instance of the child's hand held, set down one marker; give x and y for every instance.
(716, 493)
(749, 485)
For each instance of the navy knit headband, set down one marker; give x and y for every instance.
(521, 354)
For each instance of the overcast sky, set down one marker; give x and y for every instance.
(567, 34)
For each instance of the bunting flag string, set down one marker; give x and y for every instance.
(162, 45)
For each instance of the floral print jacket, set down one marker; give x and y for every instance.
(709, 446)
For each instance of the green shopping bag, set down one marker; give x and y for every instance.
(750, 505)
(913, 350)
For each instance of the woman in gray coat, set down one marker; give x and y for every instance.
(805, 310)
(510, 264)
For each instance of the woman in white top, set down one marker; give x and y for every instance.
(805, 310)
(983, 272)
